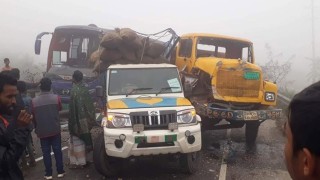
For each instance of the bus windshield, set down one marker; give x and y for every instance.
(73, 49)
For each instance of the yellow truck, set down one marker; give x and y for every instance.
(223, 82)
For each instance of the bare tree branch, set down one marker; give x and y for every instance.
(273, 70)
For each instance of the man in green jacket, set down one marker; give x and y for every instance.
(81, 120)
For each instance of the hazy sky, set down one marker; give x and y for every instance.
(284, 24)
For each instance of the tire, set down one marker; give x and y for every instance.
(104, 164)
(252, 129)
(190, 162)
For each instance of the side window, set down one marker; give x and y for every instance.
(221, 52)
(246, 54)
(185, 48)
(85, 43)
(74, 48)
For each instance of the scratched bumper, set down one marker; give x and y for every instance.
(238, 115)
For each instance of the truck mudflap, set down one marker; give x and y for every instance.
(237, 115)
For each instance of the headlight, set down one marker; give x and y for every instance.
(270, 96)
(187, 116)
(116, 121)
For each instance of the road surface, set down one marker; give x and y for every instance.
(224, 157)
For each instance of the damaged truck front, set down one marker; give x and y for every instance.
(224, 83)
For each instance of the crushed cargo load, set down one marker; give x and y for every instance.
(126, 46)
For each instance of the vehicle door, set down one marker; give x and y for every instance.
(184, 60)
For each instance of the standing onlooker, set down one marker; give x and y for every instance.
(7, 66)
(81, 120)
(302, 149)
(12, 142)
(46, 109)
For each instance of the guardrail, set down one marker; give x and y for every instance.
(283, 99)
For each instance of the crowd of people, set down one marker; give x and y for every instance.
(19, 115)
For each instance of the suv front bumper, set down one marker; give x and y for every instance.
(152, 142)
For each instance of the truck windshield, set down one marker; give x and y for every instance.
(73, 49)
(124, 81)
(224, 48)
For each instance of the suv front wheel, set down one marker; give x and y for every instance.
(104, 164)
(190, 162)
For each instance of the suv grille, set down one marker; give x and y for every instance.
(159, 121)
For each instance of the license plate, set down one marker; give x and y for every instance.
(252, 75)
(250, 115)
(138, 127)
(154, 139)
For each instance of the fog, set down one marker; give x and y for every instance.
(285, 25)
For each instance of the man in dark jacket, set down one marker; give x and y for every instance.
(46, 109)
(302, 149)
(12, 142)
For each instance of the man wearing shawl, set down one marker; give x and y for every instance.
(81, 120)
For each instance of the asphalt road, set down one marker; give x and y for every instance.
(224, 156)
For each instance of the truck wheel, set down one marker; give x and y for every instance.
(104, 164)
(252, 129)
(190, 162)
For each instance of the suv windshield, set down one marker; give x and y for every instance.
(152, 81)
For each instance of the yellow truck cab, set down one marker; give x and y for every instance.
(224, 83)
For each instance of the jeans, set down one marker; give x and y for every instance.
(55, 143)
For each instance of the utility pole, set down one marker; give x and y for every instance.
(314, 64)
(313, 35)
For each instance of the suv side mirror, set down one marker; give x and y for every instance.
(99, 91)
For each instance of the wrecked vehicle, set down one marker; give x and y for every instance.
(146, 114)
(78, 47)
(223, 82)
(143, 108)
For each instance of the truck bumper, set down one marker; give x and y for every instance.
(152, 142)
(238, 115)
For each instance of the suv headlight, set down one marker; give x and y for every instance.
(186, 116)
(116, 121)
(270, 96)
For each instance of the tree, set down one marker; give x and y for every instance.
(275, 71)
(30, 70)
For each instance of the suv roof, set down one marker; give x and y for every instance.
(129, 66)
